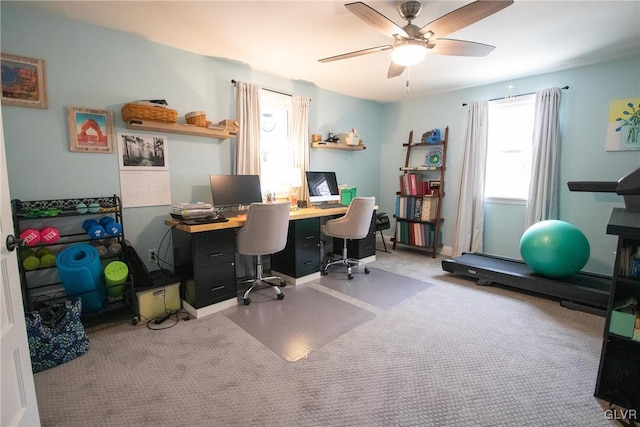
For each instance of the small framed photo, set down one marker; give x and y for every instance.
(143, 152)
(23, 81)
(90, 130)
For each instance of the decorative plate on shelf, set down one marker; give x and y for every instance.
(434, 157)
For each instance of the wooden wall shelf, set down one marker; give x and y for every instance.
(338, 146)
(179, 128)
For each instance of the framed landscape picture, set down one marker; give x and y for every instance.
(90, 130)
(23, 81)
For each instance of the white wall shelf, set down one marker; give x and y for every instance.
(339, 146)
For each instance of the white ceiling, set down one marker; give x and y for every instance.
(287, 38)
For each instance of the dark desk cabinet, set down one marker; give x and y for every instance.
(301, 256)
(206, 263)
(361, 248)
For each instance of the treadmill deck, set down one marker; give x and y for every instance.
(580, 289)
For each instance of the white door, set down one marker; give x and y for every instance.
(18, 393)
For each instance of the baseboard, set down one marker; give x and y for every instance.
(210, 309)
(296, 280)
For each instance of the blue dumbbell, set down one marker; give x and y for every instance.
(94, 229)
(111, 227)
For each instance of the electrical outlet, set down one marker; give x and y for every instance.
(153, 254)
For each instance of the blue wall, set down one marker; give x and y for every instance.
(92, 67)
(584, 115)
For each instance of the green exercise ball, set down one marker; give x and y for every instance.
(554, 248)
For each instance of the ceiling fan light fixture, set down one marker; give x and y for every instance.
(409, 52)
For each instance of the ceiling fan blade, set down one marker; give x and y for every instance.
(459, 48)
(464, 16)
(356, 53)
(375, 19)
(395, 70)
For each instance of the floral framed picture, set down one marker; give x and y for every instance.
(623, 130)
(23, 81)
(90, 130)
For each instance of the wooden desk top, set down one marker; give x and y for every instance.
(236, 222)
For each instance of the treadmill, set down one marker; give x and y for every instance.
(581, 291)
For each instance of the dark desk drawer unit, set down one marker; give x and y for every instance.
(301, 256)
(206, 264)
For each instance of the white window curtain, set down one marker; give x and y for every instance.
(469, 220)
(248, 137)
(542, 202)
(300, 138)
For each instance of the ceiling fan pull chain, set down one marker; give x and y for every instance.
(408, 72)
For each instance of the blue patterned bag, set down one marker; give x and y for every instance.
(56, 336)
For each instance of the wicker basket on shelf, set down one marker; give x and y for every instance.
(198, 118)
(143, 112)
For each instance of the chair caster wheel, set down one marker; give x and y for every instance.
(323, 272)
(366, 270)
(283, 284)
(350, 276)
(280, 296)
(246, 301)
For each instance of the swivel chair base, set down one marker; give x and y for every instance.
(264, 280)
(345, 261)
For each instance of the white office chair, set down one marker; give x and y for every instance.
(353, 225)
(264, 233)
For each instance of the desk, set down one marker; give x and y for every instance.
(236, 222)
(204, 257)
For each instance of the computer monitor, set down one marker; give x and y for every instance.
(323, 187)
(235, 190)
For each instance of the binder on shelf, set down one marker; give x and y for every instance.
(429, 208)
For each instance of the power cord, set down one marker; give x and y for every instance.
(154, 324)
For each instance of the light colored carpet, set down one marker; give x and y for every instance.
(453, 355)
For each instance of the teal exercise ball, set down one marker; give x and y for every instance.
(554, 248)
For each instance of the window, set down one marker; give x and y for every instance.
(275, 145)
(509, 148)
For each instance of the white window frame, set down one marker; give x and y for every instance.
(275, 146)
(509, 143)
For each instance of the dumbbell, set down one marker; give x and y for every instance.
(110, 225)
(46, 256)
(49, 235)
(29, 259)
(94, 229)
(30, 236)
(101, 247)
(113, 247)
(83, 208)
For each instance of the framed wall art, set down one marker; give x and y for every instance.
(23, 81)
(90, 130)
(623, 130)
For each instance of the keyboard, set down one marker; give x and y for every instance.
(205, 220)
(330, 206)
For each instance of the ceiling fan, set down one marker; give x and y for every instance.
(410, 43)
